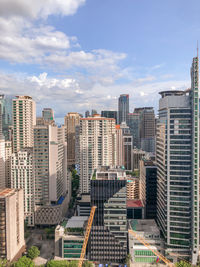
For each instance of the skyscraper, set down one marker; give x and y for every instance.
(148, 187)
(119, 145)
(23, 176)
(123, 108)
(109, 231)
(177, 154)
(127, 145)
(24, 119)
(2, 154)
(87, 114)
(97, 147)
(109, 114)
(52, 184)
(48, 114)
(6, 110)
(134, 125)
(50, 156)
(72, 120)
(93, 112)
(8, 155)
(147, 128)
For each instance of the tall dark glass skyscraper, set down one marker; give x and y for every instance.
(177, 154)
(6, 111)
(123, 108)
(108, 239)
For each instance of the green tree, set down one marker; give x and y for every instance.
(183, 264)
(87, 264)
(54, 263)
(128, 260)
(33, 252)
(73, 264)
(3, 263)
(24, 262)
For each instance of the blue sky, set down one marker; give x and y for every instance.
(74, 55)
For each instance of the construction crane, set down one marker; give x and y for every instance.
(158, 254)
(87, 234)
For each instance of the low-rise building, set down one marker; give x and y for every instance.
(69, 237)
(83, 205)
(135, 209)
(132, 188)
(149, 231)
(148, 187)
(110, 173)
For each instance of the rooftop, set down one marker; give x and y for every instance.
(134, 204)
(77, 222)
(145, 226)
(171, 93)
(85, 198)
(6, 192)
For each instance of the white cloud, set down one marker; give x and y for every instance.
(65, 94)
(27, 39)
(38, 8)
(25, 43)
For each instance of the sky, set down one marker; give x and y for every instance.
(78, 55)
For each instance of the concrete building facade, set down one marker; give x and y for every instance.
(2, 154)
(24, 119)
(72, 120)
(97, 147)
(147, 128)
(52, 182)
(12, 242)
(23, 176)
(8, 155)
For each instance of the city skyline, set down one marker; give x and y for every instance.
(57, 53)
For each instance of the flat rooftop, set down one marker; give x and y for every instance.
(84, 198)
(76, 222)
(145, 226)
(134, 204)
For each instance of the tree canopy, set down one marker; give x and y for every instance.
(33, 252)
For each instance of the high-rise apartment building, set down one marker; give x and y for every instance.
(97, 147)
(177, 154)
(108, 238)
(123, 108)
(12, 242)
(72, 120)
(23, 176)
(8, 155)
(48, 114)
(109, 114)
(134, 124)
(2, 154)
(127, 144)
(24, 119)
(52, 183)
(147, 128)
(6, 111)
(119, 145)
(148, 187)
(50, 158)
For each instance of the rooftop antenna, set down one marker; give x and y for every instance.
(197, 48)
